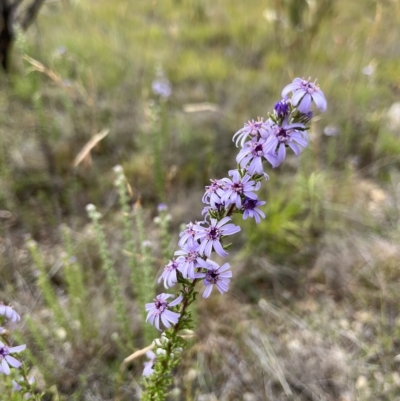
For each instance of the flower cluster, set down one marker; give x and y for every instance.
(260, 140)
(8, 314)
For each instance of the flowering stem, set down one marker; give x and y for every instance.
(166, 357)
(260, 141)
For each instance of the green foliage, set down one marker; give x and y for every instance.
(45, 286)
(237, 55)
(112, 279)
(75, 280)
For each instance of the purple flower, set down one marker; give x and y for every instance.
(250, 209)
(282, 108)
(9, 313)
(159, 309)
(238, 186)
(188, 258)
(210, 236)
(211, 191)
(6, 359)
(215, 275)
(186, 234)
(148, 366)
(162, 207)
(303, 93)
(251, 128)
(251, 156)
(169, 274)
(162, 87)
(285, 135)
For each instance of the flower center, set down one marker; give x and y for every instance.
(192, 256)
(282, 135)
(250, 204)
(214, 233)
(257, 149)
(237, 187)
(212, 276)
(3, 352)
(160, 305)
(172, 266)
(309, 87)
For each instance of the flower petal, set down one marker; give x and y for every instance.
(305, 104)
(297, 96)
(207, 291)
(15, 363)
(18, 348)
(5, 367)
(320, 100)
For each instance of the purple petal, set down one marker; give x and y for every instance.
(18, 348)
(305, 104)
(221, 222)
(224, 267)
(295, 148)
(294, 126)
(176, 301)
(281, 152)
(207, 291)
(226, 275)
(291, 87)
(297, 96)
(218, 248)
(271, 158)
(171, 316)
(208, 248)
(222, 287)
(13, 362)
(157, 322)
(211, 265)
(320, 100)
(296, 136)
(165, 321)
(230, 229)
(5, 367)
(202, 263)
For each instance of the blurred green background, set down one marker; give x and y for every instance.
(313, 310)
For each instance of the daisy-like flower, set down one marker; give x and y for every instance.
(250, 157)
(9, 313)
(186, 234)
(148, 366)
(7, 360)
(159, 309)
(188, 257)
(210, 236)
(162, 87)
(285, 135)
(250, 207)
(211, 191)
(251, 128)
(304, 92)
(215, 275)
(238, 186)
(169, 274)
